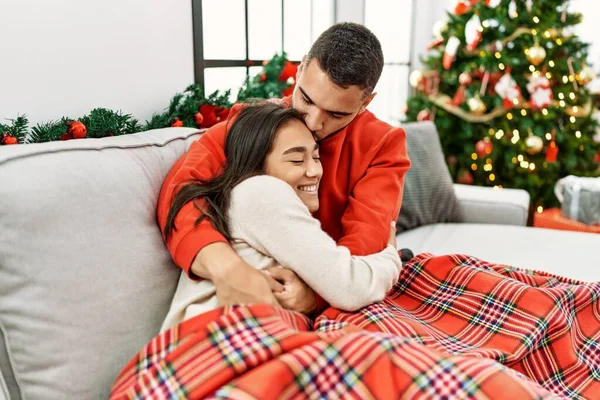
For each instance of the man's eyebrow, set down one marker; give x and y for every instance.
(329, 111)
(299, 149)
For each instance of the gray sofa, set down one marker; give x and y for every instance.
(85, 279)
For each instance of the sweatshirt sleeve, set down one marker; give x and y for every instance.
(203, 160)
(269, 216)
(375, 200)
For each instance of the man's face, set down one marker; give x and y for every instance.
(328, 107)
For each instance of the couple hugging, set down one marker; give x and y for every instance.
(241, 199)
(282, 221)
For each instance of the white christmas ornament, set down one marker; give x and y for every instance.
(493, 3)
(450, 52)
(539, 89)
(512, 10)
(529, 4)
(438, 28)
(473, 31)
(541, 98)
(508, 90)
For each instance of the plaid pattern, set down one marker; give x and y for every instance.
(454, 327)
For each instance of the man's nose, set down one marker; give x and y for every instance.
(314, 120)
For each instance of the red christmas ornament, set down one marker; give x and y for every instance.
(552, 152)
(66, 136)
(597, 158)
(465, 178)
(484, 147)
(288, 71)
(8, 139)
(462, 7)
(198, 118)
(77, 130)
(177, 123)
(450, 52)
(262, 77)
(424, 115)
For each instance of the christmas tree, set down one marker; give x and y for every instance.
(505, 84)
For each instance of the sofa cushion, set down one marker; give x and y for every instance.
(429, 195)
(7, 377)
(85, 278)
(3, 388)
(563, 253)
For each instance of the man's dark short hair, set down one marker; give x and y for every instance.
(350, 54)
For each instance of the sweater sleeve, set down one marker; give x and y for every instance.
(375, 200)
(269, 216)
(203, 160)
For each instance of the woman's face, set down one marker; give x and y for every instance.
(295, 160)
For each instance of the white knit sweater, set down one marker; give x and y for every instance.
(270, 226)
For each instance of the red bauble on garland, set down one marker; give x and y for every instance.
(76, 130)
(8, 139)
(198, 119)
(177, 123)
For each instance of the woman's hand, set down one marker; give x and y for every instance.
(296, 295)
(392, 238)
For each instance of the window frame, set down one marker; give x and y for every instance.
(201, 63)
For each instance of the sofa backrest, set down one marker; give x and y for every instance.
(85, 279)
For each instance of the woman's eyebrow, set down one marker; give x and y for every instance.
(299, 149)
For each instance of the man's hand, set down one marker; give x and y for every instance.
(296, 294)
(236, 282)
(244, 284)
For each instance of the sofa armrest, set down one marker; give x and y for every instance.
(487, 205)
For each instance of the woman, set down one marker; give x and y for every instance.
(262, 203)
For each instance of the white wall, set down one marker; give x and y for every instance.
(66, 57)
(587, 30)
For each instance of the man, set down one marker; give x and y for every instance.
(364, 162)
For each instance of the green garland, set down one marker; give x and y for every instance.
(192, 108)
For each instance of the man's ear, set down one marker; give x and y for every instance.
(366, 101)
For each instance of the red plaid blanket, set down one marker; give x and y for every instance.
(453, 327)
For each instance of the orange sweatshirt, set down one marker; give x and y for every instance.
(360, 192)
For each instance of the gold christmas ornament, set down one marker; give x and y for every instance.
(534, 144)
(586, 75)
(536, 54)
(415, 78)
(476, 105)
